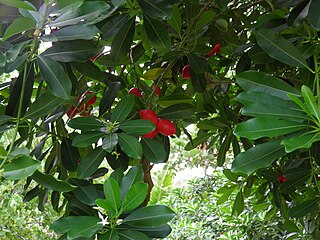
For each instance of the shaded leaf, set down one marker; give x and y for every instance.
(20, 167)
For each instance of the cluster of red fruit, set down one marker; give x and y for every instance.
(186, 69)
(282, 179)
(165, 127)
(84, 105)
(138, 93)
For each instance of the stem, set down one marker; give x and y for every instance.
(316, 78)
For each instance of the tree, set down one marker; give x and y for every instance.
(115, 80)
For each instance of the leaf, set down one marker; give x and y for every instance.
(87, 139)
(157, 34)
(223, 150)
(64, 224)
(152, 232)
(43, 105)
(151, 216)
(16, 50)
(299, 142)
(56, 78)
(18, 26)
(310, 101)
(137, 126)
(90, 163)
(130, 145)
(279, 48)
(157, 9)
(170, 100)
(264, 127)
(175, 20)
(259, 156)
(313, 15)
(198, 81)
(265, 83)
(154, 73)
(134, 175)
(84, 32)
(112, 193)
(201, 138)
(110, 235)
(109, 142)
(222, 4)
(20, 167)
(122, 41)
(17, 4)
(238, 205)
(69, 155)
(87, 193)
(48, 181)
(292, 184)
(123, 109)
(197, 64)
(304, 208)
(177, 111)
(108, 97)
(11, 66)
(153, 150)
(135, 196)
(85, 229)
(72, 51)
(86, 123)
(132, 235)
(113, 25)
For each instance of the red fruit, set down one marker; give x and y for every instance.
(186, 71)
(72, 112)
(282, 179)
(92, 59)
(215, 50)
(83, 100)
(135, 91)
(149, 115)
(150, 134)
(166, 127)
(157, 91)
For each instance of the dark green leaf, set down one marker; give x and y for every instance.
(134, 175)
(56, 78)
(175, 21)
(137, 126)
(158, 9)
(112, 193)
(69, 155)
(304, 208)
(110, 141)
(135, 196)
(87, 139)
(177, 111)
(86, 123)
(238, 205)
(198, 80)
(18, 26)
(112, 26)
(17, 4)
(86, 193)
(152, 232)
(108, 97)
(313, 15)
(259, 156)
(132, 235)
(150, 216)
(20, 167)
(123, 109)
(130, 145)
(48, 181)
(110, 235)
(91, 162)
(153, 150)
(174, 99)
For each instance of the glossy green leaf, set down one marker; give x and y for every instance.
(64, 224)
(135, 196)
(157, 34)
(197, 64)
(86, 123)
(158, 9)
(17, 4)
(131, 235)
(302, 141)
(259, 156)
(112, 193)
(123, 109)
(72, 51)
(84, 32)
(130, 145)
(152, 232)
(106, 205)
(265, 83)
(90, 163)
(299, 103)
(56, 78)
(108, 97)
(18, 26)
(43, 105)
(150, 216)
(175, 20)
(50, 182)
(153, 150)
(113, 25)
(137, 126)
(20, 167)
(264, 127)
(85, 229)
(118, 3)
(87, 139)
(109, 142)
(69, 155)
(134, 175)
(122, 41)
(310, 101)
(177, 111)
(279, 48)
(313, 15)
(87, 193)
(304, 208)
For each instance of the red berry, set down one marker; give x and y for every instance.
(150, 134)
(149, 115)
(215, 50)
(157, 91)
(72, 112)
(186, 71)
(135, 91)
(166, 127)
(282, 179)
